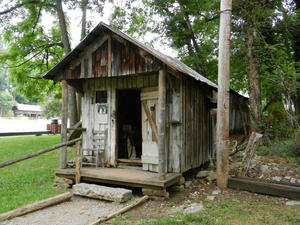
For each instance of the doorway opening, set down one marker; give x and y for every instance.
(129, 134)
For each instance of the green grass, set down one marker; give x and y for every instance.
(226, 212)
(30, 180)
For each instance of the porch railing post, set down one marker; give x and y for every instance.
(64, 124)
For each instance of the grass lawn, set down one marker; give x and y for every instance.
(238, 211)
(30, 180)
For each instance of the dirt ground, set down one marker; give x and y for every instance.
(198, 192)
(78, 211)
(81, 211)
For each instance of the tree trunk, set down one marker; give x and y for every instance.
(83, 7)
(67, 49)
(253, 82)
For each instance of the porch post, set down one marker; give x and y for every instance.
(161, 124)
(64, 124)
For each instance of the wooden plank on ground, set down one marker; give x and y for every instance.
(280, 189)
(35, 206)
(120, 211)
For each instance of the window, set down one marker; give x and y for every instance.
(101, 96)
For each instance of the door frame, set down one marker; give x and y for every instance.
(117, 147)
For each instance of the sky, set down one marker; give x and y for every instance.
(74, 17)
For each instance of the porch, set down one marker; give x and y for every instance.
(124, 176)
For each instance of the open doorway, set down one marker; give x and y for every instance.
(129, 126)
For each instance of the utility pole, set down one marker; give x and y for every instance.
(222, 133)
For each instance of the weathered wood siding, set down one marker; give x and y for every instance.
(110, 55)
(189, 132)
(90, 122)
(239, 114)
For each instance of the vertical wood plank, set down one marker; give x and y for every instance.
(109, 57)
(162, 123)
(64, 124)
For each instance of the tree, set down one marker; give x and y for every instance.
(189, 25)
(31, 48)
(52, 107)
(35, 49)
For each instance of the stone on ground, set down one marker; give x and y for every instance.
(216, 192)
(293, 180)
(293, 203)
(61, 182)
(102, 192)
(211, 197)
(176, 188)
(193, 208)
(211, 176)
(264, 168)
(276, 178)
(156, 192)
(202, 174)
(188, 183)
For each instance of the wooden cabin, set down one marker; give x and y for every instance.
(30, 111)
(142, 109)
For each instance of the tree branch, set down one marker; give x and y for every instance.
(25, 3)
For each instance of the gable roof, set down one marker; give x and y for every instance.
(173, 63)
(25, 107)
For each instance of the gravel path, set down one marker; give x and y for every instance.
(78, 211)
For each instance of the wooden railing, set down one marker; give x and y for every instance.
(34, 154)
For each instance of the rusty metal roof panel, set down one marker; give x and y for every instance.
(173, 63)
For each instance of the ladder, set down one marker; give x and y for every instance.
(96, 153)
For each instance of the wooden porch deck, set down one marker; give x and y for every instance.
(132, 177)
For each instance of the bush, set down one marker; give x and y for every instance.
(287, 149)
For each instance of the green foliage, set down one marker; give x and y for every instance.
(31, 180)
(289, 148)
(31, 50)
(52, 108)
(6, 103)
(132, 20)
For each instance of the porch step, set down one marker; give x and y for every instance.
(121, 176)
(102, 192)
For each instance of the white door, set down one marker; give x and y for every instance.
(149, 100)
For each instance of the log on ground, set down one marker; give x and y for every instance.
(265, 187)
(119, 212)
(35, 206)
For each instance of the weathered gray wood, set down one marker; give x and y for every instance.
(223, 94)
(265, 187)
(162, 123)
(42, 151)
(109, 58)
(250, 150)
(35, 206)
(78, 163)
(151, 121)
(120, 211)
(64, 124)
(122, 176)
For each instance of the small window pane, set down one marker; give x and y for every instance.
(101, 96)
